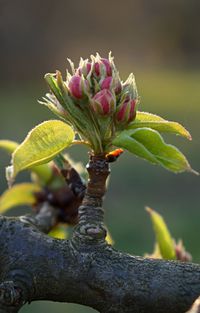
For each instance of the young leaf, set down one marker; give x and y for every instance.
(164, 240)
(51, 106)
(8, 145)
(51, 80)
(149, 144)
(40, 146)
(144, 119)
(43, 173)
(109, 239)
(21, 194)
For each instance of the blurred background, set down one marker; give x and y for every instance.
(159, 42)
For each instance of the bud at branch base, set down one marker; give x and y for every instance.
(104, 102)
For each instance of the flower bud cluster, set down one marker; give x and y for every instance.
(94, 97)
(98, 80)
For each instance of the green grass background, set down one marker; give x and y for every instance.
(134, 183)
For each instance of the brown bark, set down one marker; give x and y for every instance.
(86, 269)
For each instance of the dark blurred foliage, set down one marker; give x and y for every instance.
(37, 36)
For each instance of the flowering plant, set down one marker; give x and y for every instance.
(93, 100)
(99, 110)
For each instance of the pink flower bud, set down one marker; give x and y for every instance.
(109, 83)
(104, 102)
(126, 111)
(181, 253)
(118, 87)
(132, 112)
(77, 86)
(103, 64)
(85, 69)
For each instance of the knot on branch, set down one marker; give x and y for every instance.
(10, 294)
(91, 226)
(93, 231)
(17, 288)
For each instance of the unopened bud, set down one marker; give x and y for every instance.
(110, 83)
(107, 83)
(129, 87)
(104, 102)
(132, 113)
(103, 66)
(78, 86)
(126, 111)
(84, 68)
(181, 253)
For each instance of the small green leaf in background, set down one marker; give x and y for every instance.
(145, 119)
(109, 239)
(44, 172)
(8, 145)
(59, 232)
(40, 146)
(163, 238)
(149, 145)
(20, 194)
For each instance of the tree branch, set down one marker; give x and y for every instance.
(44, 220)
(85, 269)
(43, 268)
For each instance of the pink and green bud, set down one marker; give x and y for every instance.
(109, 83)
(103, 67)
(78, 86)
(129, 87)
(118, 87)
(104, 102)
(84, 68)
(126, 111)
(181, 253)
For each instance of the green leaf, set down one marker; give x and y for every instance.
(40, 146)
(164, 240)
(144, 119)
(109, 238)
(51, 80)
(149, 145)
(51, 106)
(8, 145)
(21, 194)
(43, 171)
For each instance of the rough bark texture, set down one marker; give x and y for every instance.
(86, 270)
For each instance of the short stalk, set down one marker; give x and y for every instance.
(91, 227)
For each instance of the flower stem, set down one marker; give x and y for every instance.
(91, 228)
